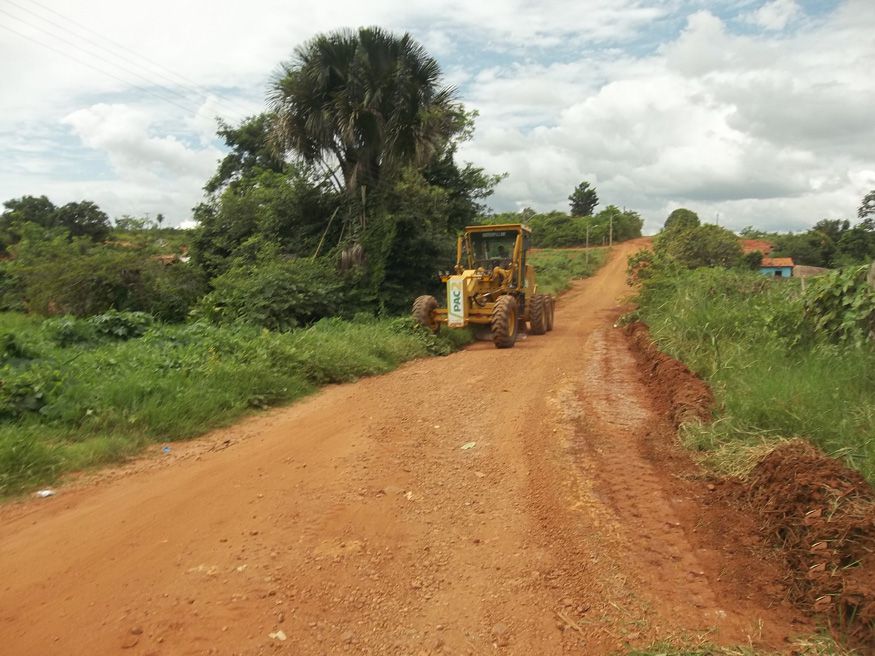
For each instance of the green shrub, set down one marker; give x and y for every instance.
(279, 294)
(11, 348)
(22, 392)
(66, 331)
(842, 305)
(121, 325)
(54, 276)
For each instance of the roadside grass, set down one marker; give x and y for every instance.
(555, 268)
(813, 645)
(742, 333)
(64, 408)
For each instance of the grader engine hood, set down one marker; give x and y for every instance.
(467, 293)
(457, 300)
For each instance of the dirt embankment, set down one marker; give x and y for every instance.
(682, 396)
(817, 515)
(821, 515)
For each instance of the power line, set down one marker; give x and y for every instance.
(167, 91)
(91, 66)
(120, 50)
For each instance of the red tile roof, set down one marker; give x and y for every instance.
(751, 245)
(777, 262)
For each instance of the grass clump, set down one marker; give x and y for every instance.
(813, 645)
(774, 373)
(96, 396)
(556, 268)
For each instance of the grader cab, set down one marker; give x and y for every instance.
(491, 286)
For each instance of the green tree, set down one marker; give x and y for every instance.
(30, 209)
(867, 206)
(700, 246)
(857, 245)
(365, 100)
(18, 212)
(286, 209)
(250, 151)
(583, 200)
(84, 219)
(681, 219)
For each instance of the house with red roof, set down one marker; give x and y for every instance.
(777, 267)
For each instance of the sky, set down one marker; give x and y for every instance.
(748, 112)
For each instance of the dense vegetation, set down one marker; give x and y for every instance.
(829, 243)
(558, 229)
(77, 392)
(783, 361)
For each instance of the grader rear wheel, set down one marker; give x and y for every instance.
(504, 322)
(538, 314)
(423, 312)
(549, 308)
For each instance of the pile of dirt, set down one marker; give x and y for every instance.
(822, 516)
(679, 393)
(818, 513)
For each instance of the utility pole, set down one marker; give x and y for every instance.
(611, 231)
(587, 245)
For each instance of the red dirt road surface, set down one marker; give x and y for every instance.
(519, 501)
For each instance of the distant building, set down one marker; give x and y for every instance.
(777, 267)
(751, 245)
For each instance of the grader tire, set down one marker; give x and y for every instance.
(549, 309)
(504, 322)
(423, 312)
(538, 314)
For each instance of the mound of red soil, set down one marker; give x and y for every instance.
(679, 394)
(818, 513)
(822, 516)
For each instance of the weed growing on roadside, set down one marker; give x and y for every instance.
(774, 376)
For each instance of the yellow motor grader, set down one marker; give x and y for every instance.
(491, 286)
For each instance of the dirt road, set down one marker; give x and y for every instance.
(494, 500)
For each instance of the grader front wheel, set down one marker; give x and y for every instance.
(504, 322)
(423, 312)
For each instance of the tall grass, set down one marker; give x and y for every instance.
(743, 333)
(99, 401)
(556, 268)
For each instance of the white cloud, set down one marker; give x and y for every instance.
(152, 168)
(770, 128)
(768, 132)
(775, 14)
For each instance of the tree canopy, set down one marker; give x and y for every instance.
(80, 219)
(362, 101)
(697, 246)
(584, 200)
(681, 219)
(867, 206)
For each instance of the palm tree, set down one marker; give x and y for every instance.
(362, 101)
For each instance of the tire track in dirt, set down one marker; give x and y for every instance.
(355, 523)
